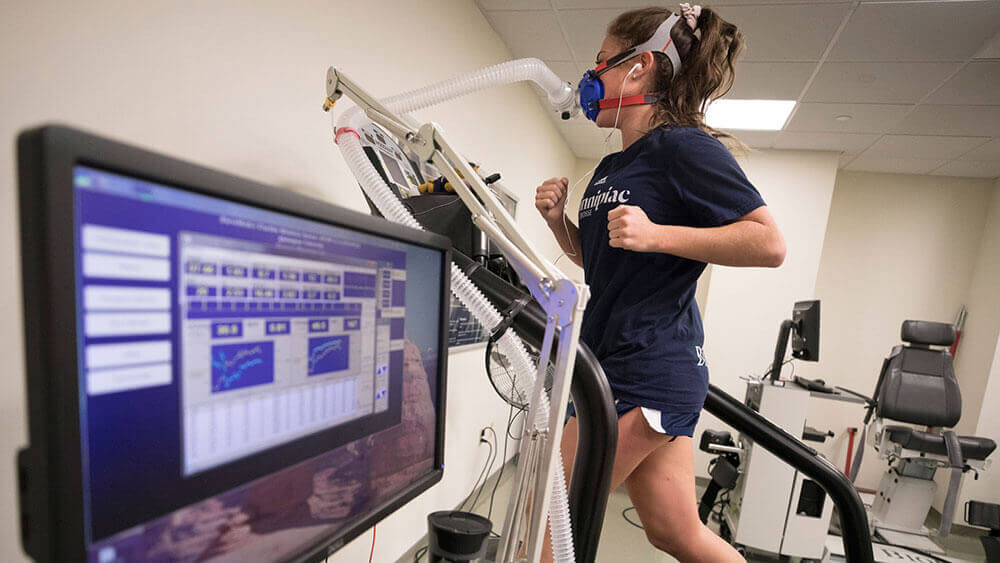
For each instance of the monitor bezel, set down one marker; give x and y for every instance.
(50, 468)
(806, 336)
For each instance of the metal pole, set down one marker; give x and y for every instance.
(597, 421)
(780, 347)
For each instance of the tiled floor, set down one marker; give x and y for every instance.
(622, 542)
(963, 542)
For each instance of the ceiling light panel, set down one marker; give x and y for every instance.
(752, 115)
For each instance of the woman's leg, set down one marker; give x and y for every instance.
(662, 490)
(635, 441)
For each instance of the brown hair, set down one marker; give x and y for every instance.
(707, 65)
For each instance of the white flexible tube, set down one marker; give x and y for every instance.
(560, 94)
(559, 520)
(562, 97)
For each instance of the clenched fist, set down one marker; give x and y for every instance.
(631, 229)
(550, 198)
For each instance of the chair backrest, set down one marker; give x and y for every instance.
(917, 384)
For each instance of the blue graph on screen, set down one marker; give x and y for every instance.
(235, 366)
(328, 353)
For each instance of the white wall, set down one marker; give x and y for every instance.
(238, 86)
(745, 306)
(977, 362)
(897, 247)
(987, 487)
(978, 342)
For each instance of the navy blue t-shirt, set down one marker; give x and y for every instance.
(642, 321)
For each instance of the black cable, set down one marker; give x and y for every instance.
(511, 423)
(722, 503)
(494, 433)
(482, 487)
(481, 474)
(784, 363)
(423, 550)
(503, 462)
(484, 475)
(629, 520)
(494, 449)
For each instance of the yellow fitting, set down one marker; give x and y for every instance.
(328, 104)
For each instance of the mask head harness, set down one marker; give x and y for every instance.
(591, 88)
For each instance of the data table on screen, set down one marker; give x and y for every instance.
(276, 346)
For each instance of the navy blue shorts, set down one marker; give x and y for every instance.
(669, 423)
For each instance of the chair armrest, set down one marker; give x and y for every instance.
(865, 398)
(955, 458)
(957, 463)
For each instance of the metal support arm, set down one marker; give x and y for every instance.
(562, 300)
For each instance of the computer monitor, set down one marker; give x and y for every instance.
(217, 368)
(805, 336)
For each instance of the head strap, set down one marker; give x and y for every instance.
(636, 100)
(659, 42)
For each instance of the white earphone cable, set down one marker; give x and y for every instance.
(570, 191)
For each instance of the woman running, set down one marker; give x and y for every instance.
(652, 217)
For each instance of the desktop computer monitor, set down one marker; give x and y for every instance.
(217, 368)
(805, 336)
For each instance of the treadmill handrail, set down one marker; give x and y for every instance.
(853, 518)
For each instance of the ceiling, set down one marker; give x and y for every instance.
(919, 80)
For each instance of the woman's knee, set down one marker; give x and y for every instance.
(678, 541)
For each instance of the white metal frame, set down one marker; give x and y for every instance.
(562, 299)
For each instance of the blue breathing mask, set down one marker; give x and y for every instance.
(591, 91)
(591, 88)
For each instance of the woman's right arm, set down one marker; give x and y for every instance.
(550, 199)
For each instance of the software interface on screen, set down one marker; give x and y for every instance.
(221, 343)
(298, 336)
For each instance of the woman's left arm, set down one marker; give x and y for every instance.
(751, 240)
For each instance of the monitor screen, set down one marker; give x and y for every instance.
(250, 381)
(805, 337)
(394, 171)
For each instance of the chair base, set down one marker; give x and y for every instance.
(902, 502)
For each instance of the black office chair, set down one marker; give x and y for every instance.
(917, 386)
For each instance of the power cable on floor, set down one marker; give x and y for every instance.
(629, 520)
